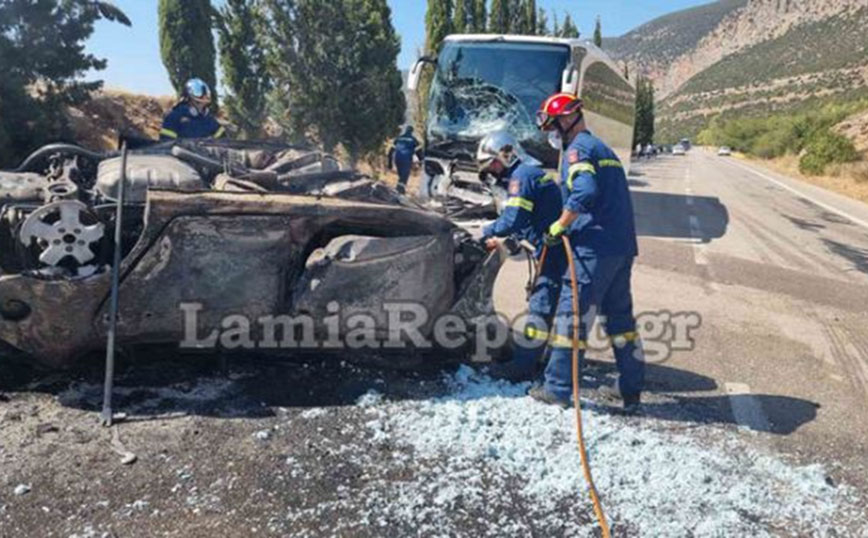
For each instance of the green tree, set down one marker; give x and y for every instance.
(43, 61)
(569, 29)
(335, 74)
(598, 33)
(542, 23)
(480, 16)
(626, 71)
(242, 60)
(461, 19)
(499, 21)
(530, 14)
(556, 26)
(644, 131)
(438, 24)
(523, 17)
(186, 42)
(517, 17)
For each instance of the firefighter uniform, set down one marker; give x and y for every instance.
(534, 203)
(404, 149)
(185, 121)
(603, 238)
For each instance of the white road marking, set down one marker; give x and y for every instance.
(747, 409)
(699, 254)
(783, 185)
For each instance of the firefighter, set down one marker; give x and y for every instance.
(534, 203)
(598, 219)
(191, 117)
(402, 152)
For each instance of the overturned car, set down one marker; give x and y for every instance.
(227, 244)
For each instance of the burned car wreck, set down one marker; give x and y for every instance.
(254, 230)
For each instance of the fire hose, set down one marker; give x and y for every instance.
(576, 344)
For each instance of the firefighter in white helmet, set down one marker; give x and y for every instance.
(534, 203)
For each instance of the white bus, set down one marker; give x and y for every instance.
(484, 83)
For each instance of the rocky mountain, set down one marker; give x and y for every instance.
(655, 46)
(747, 57)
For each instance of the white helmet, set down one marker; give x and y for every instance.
(499, 146)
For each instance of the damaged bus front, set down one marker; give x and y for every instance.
(484, 83)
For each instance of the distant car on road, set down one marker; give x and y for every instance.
(724, 151)
(678, 149)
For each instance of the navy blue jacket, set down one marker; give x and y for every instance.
(405, 147)
(534, 203)
(594, 185)
(184, 121)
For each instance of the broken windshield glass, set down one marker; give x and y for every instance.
(483, 87)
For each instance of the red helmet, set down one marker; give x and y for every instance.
(559, 104)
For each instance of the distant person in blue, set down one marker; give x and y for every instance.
(534, 203)
(191, 117)
(402, 152)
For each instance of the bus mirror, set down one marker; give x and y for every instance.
(570, 80)
(416, 72)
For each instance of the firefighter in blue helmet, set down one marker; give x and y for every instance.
(598, 219)
(402, 152)
(534, 203)
(191, 117)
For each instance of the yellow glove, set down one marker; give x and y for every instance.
(553, 237)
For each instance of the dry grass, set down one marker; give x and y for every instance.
(849, 179)
(98, 123)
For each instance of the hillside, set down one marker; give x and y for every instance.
(811, 64)
(749, 57)
(655, 46)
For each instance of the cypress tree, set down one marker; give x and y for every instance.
(480, 16)
(542, 23)
(598, 33)
(645, 113)
(242, 61)
(531, 17)
(517, 17)
(498, 22)
(438, 24)
(461, 17)
(569, 29)
(186, 42)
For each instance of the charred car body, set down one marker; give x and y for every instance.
(484, 83)
(252, 230)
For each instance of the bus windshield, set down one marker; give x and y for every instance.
(483, 87)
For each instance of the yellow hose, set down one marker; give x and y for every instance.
(583, 452)
(586, 467)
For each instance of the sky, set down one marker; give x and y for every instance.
(133, 54)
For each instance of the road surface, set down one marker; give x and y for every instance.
(759, 430)
(778, 271)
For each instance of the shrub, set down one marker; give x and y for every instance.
(774, 143)
(826, 148)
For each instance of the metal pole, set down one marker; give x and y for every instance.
(107, 414)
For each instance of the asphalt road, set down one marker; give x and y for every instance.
(756, 428)
(778, 272)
